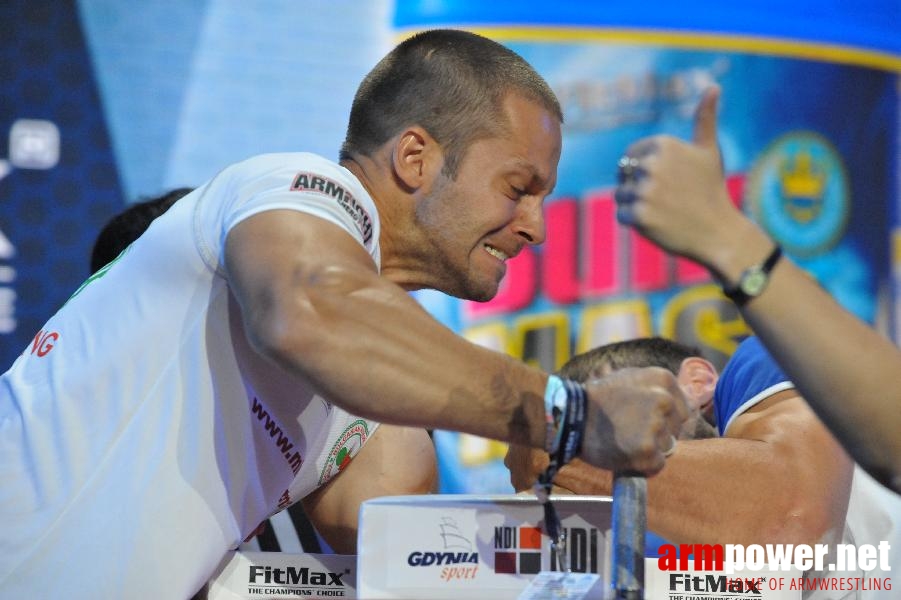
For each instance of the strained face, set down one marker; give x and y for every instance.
(484, 216)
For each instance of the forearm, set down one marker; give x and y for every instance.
(366, 345)
(727, 491)
(350, 334)
(732, 491)
(847, 371)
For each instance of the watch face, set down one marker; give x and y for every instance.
(754, 282)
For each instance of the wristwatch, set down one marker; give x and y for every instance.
(753, 280)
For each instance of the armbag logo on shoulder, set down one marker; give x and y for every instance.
(317, 184)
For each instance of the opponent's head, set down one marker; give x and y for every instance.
(695, 375)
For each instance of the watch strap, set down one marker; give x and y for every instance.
(740, 292)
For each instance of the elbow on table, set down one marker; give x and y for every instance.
(806, 523)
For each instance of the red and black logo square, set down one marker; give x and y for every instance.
(518, 550)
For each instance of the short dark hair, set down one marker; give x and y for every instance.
(452, 83)
(128, 225)
(639, 352)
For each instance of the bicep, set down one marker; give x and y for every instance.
(395, 461)
(276, 259)
(801, 448)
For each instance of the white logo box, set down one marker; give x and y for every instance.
(263, 575)
(454, 546)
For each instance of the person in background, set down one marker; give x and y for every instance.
(776, 468)
(128, 225)
(673, 192)
(695, 374)
(785, 457)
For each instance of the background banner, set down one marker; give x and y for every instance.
(809, 133)
(105, 102)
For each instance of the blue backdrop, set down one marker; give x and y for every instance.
(106, 101)
(809, 132)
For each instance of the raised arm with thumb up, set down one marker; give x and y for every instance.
(673, 192)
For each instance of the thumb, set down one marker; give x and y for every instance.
(705, 118)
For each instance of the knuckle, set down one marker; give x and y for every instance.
(647, 448)
(656, 466)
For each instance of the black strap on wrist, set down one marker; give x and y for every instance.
(566, 445)
(753, 280)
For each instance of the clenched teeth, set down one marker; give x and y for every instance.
(496, 253)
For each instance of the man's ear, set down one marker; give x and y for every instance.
(698, 378)
(416, 157)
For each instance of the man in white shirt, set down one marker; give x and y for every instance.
(244, 349)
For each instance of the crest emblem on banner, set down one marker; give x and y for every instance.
(798, 191)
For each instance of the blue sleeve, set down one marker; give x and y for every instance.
(750, 376)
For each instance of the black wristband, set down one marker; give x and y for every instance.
(573, 423)
(570, 428)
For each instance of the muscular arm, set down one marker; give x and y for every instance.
(395, 461)
(777, 476)
(312, 301)
(846, 370)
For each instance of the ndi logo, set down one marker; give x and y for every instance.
(581, 550)
(518, 550)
